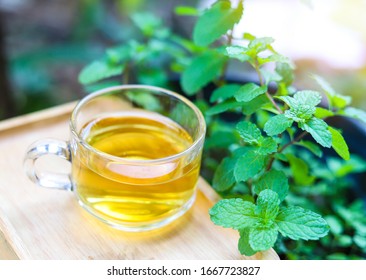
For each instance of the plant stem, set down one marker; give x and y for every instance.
(256, 67)
(298, 138)
(221, 80)
(126, 76)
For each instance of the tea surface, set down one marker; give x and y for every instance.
(120, 188)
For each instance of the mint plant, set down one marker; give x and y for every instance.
(265, 139)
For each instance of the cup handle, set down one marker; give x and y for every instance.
(47, 179)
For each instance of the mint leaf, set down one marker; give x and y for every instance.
(233, 213)
(300, 170)
(224, 176)
(339, 144)
(258, 45)
(286, 72)
(300, 113)
(249, 91)
(203, 69)
(145, 100)
(261, 239)
(322, 113)
(298, 223)
(319, 130)
(324, 85)
(308, 97)
(249, 132)
(335, 99)
(360, 241)
(273, 180)
(99, 70)
(221, 139)
(223, 107)
(147, 22)
(290, 101)
(186, 11)
(270, 76)
(215, 22)
(355, 113)
(224, 92)
(312, 147)
(266, 145)
(243, 245)
(278, 58)
(277, 124)
(248, 166)
(267, 206)
(237, 52)
(254, 105)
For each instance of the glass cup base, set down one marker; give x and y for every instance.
(141, 227)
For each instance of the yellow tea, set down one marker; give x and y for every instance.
(134, 187)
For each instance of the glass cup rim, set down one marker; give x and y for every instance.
(198, 113)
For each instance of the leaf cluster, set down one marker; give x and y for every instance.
(265, 139)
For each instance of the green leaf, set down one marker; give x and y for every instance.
(339, 144)
(224, 176)
(270, 76)
(298, 223)
(152, 76)
(221, 139)
(322, 113)
(223, 107)
(203, 69)
(286, 72)
(233, 213)
(248, 166)
(360, 241)
(237, 52)
(186, 11)
(249, 132)
(335, 99)
(145, 100)
(267, 206)
(215, 22)
(243, 246)
(266, 145)
(118, 54)
(224, 92)
(273, 180)
(324, 85)
(312, 147)
(99, 70)
(276, 58)
(249, 91)
(355, 113)
(261, 239)
(344, 241)
(260, 44)
(308, 97)
(301, 113)
(254, 105)
(335, 225)
(319, 130)
(147, 22)
(277, 124)
(300, 170)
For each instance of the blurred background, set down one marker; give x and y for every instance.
(45, 43)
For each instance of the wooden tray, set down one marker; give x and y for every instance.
(38, 223)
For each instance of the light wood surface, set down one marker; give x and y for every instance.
(38, 223)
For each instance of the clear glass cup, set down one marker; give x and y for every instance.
(135, 154)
